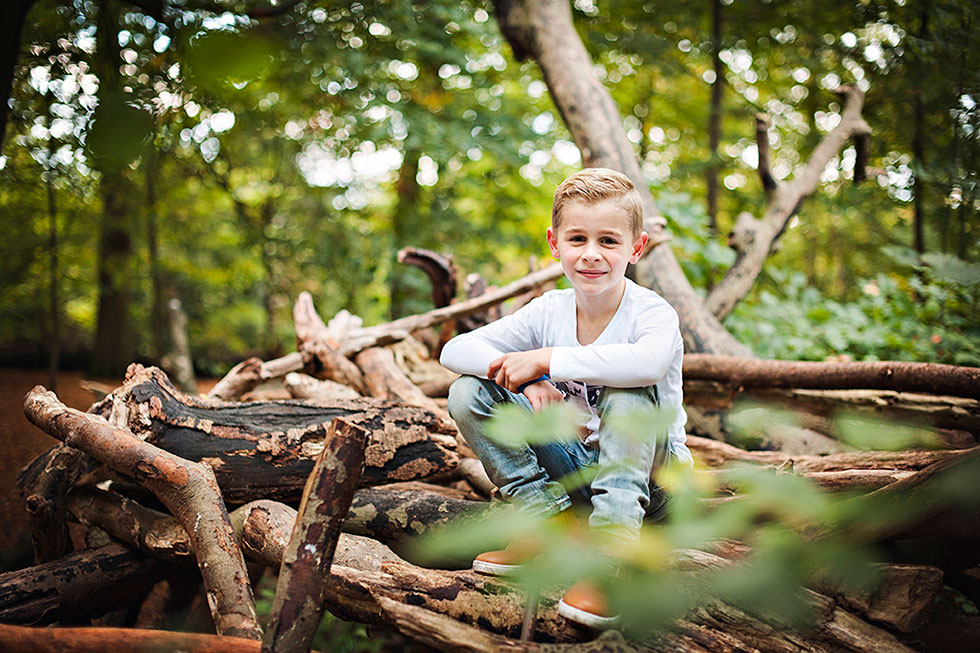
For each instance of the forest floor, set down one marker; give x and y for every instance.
(21, 441)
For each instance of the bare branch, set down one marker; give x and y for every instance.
(784, 201)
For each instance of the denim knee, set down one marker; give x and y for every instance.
(463, 394)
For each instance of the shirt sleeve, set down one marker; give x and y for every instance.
(639, 363)
(471, 353)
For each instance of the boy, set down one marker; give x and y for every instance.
(607, 345)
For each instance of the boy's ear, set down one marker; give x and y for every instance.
(553, 243)
(639, 246)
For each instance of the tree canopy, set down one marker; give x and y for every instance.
(234, 154)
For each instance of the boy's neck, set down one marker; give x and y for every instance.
(597, 310)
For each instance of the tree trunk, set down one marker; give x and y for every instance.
(178, 361)
(404, 228)
(114, 340)
(714, 116)
(543, 29)
(54, 319)
(13, 14)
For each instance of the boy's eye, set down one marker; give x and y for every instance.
(609, 241)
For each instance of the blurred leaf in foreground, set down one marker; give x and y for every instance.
(118, 132)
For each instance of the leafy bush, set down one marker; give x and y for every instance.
(929, 315)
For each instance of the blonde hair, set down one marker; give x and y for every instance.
(595, 185)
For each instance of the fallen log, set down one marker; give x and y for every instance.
(303, 386)
(188, 489)
(384, 334)
(306, 561)
(715, 454)
(267, 449)
(119, 640)
(43, 485)
(78, 586)
(815, 409)
(152, 532)
(386, 380)
(931, 378)
(251, 373)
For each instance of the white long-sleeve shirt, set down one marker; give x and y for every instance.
(640, 347)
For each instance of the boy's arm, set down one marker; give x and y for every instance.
(638, 364)
(471, 353)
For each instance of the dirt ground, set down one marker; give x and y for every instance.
(21, 441)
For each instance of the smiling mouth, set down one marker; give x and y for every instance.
(591, 273)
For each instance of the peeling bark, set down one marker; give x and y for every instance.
(306, 561)
(189, 491)
(266, 449)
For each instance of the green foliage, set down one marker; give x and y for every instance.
(928, 315)
(798, 536)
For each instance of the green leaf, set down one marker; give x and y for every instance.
(514, 426)
(952, 268)
(117, 133)
(876, 434)
(224, 58)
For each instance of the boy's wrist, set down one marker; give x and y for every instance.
(543, 377)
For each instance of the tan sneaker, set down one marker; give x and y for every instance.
(506, 561)
(584, 603)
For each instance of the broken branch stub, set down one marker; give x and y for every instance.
(306, 562)
(189, 490)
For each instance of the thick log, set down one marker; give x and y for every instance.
(119, 640)
(306, 561)
(189, 491)
(251, 373)
(902, 600)
(303, 386)
(932, 378)
(715, 454)
(80, 585)
(267, 449)
(815, 409)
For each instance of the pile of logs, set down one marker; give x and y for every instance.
(323, 463)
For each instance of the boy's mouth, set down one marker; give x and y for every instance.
(591, 274)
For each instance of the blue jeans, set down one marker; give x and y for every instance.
(530, 474)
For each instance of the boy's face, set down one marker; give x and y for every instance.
(594, 243)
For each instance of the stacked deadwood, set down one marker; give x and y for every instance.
(146, 447)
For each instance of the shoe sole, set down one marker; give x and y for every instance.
(586, 618)
(493, 568)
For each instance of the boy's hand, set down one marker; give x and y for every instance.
(511, 370)
(541, 394)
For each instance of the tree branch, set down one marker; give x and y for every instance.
(306, 561)
(783, 204)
